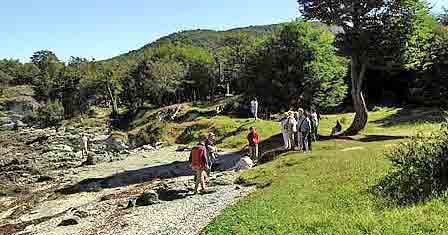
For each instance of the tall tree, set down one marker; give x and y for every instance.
(45, 83)
(43, 59)
(374, 31)
(299, 67)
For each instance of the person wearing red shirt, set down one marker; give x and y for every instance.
(254, 140)
(199, 164)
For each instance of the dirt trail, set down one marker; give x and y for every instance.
(101, 193)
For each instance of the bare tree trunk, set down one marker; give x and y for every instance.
(113, 101)
(359, 104)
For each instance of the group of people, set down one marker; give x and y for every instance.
(203, 155)
(300, 129)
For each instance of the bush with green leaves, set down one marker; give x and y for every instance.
(50, 114)
(420, 169)
(149, 135)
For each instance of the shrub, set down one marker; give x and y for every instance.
(149, 135)
(420, 169)
(50, 114)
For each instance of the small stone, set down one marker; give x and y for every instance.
(72, 220)
(44, 178)
(132, 202)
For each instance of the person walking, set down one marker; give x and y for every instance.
(254, 139)
(199, 165)
(84, 145)
(305, 130)
(284, 127)
(211, 151)
(254, 108)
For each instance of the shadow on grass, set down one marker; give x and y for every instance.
(224, 162)
(192, 133)
(364, 138)
(194, 114)
(412, 116)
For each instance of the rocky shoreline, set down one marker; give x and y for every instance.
(48, 189)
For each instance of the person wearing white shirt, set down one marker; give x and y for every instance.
(254, 108)
(284, 124)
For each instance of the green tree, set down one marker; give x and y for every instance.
(443, 18)
(28, 72)
(374, 33)
(298, 67)
(45, 84)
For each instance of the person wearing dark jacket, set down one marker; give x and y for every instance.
(211, 151)
(254, 139)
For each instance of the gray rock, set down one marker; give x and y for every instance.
(71, 220)
(147, 147)
(116, 143)
(60, 147)
(148, 198)
(91, 160)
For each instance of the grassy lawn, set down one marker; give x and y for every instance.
(327, 191)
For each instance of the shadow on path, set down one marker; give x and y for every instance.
(224, 162)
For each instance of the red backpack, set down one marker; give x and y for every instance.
(198, 157)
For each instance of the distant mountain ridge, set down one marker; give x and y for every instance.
(202, 38)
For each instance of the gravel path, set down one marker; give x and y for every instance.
(188, 215)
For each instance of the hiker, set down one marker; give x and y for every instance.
(198, 161)
(254, 108)
(336, 129)
(291, 127)
(254, 140)
(211, 151)
(314, 125)
(283, 124)
(84, 145)
(299, 118)
(305, 131)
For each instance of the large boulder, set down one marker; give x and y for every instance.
(117, 141)
(148, 198)
(245, 163)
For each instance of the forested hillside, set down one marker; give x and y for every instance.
(290, 65)
(202, 38)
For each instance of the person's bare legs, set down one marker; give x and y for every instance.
(198, 180)
(204, 179)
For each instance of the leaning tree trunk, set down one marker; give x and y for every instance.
(113, 101)
(359, 104)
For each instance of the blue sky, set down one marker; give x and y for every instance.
(105, 28)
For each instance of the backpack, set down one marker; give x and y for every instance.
(198, 157)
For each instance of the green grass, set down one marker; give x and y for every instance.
(327, 191)
(230, 132)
